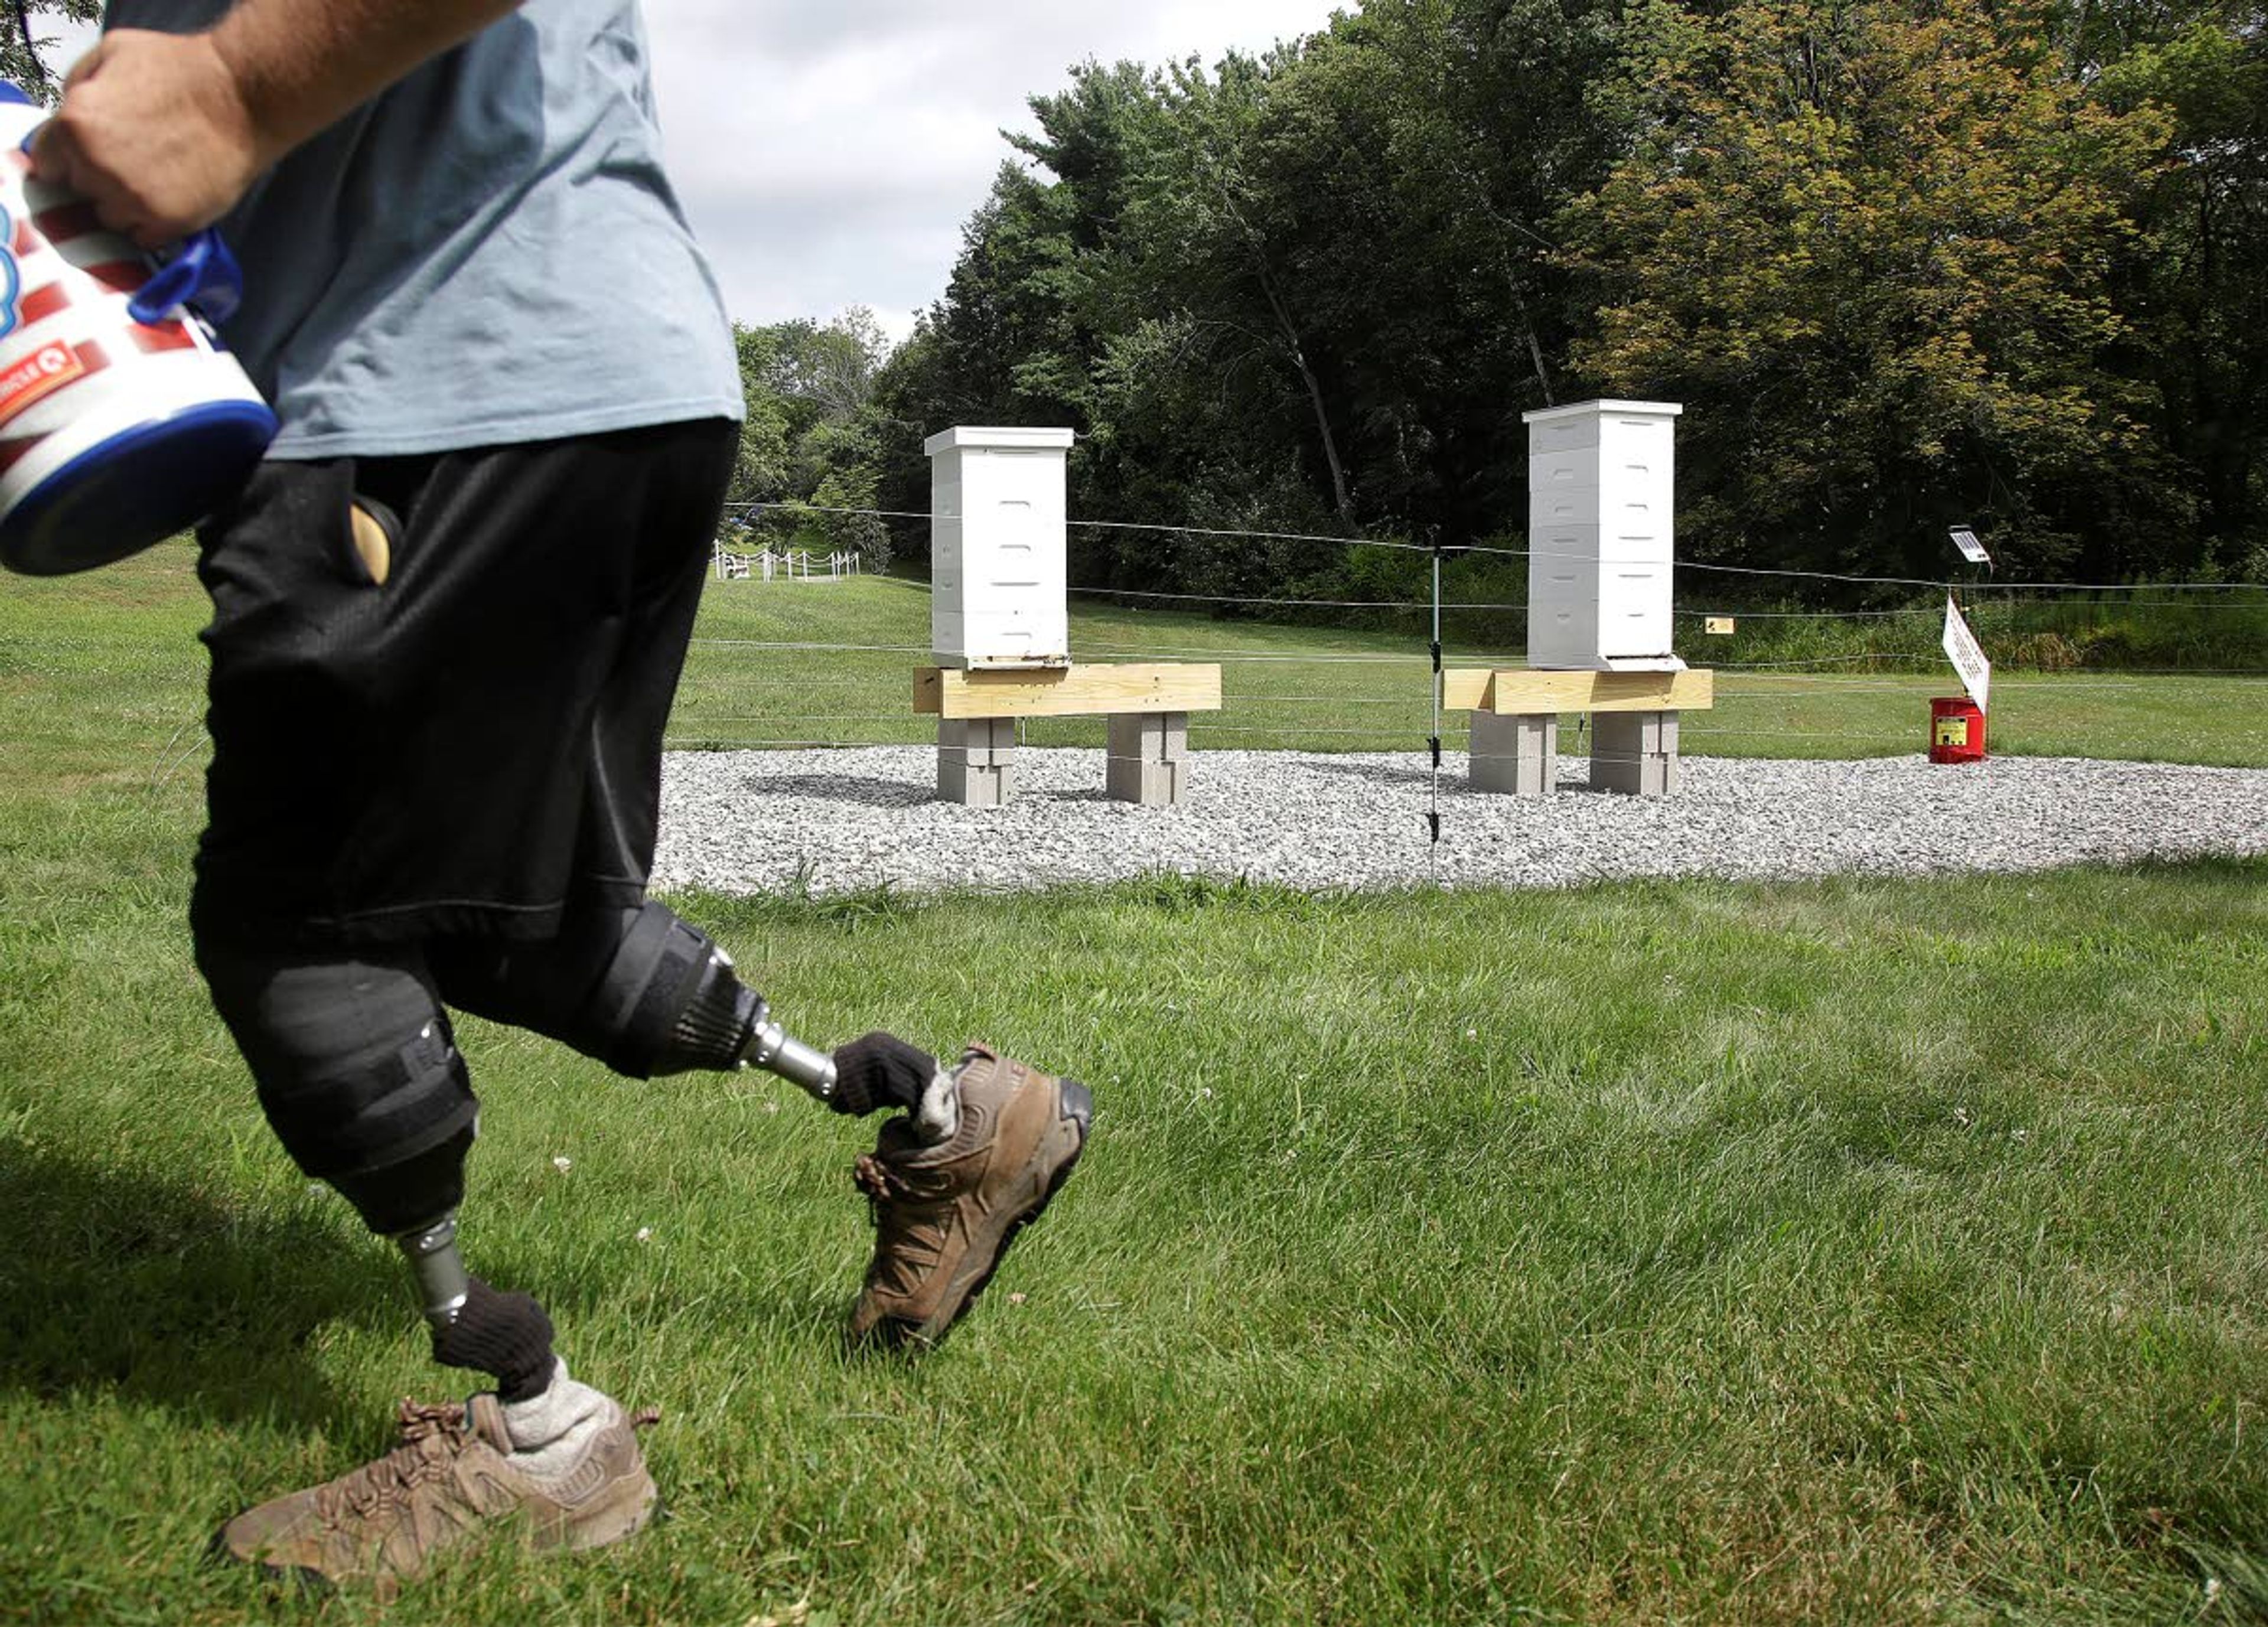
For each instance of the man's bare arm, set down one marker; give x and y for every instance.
(164, 132)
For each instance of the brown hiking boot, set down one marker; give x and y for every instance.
(945, 1214)
(450, 1476)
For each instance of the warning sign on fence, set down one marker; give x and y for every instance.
(1968, 657)
(1971, 550)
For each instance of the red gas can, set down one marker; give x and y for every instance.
(1956, 731)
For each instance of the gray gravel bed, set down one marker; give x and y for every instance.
(855, 818)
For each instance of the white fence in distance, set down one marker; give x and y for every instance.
(795, 566)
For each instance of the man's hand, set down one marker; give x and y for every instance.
(155, 132)
(165, 132)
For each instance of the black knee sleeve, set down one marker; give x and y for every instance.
(637, 989)
(671, 1002)
(506, 1336)
(548, 985)
(416, 1192)
(356, 1066)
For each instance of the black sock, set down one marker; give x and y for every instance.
(879, 1071)
(506, 1336)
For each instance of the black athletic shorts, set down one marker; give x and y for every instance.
(475, 746)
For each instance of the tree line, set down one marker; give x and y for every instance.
(1907, 264)
(1903, 261)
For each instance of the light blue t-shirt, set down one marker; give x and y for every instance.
(488, 253)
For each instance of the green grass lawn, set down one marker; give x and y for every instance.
(101, 676)
(756, 679)
(1854, 1251)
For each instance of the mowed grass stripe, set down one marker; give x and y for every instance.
(100, 676)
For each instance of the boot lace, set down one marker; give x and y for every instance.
(911, 1222)
(431, 1439)
(881, 1184)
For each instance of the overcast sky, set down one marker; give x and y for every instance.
(830, 154)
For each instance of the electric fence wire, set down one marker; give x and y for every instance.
(1788, 675)
(1326, 604)
(1784, 673)
(1945, 584)
(1929, 610)
(1233, 656)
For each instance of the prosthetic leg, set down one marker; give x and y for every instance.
(651, 996)
(360, 1078)
(360, 1075)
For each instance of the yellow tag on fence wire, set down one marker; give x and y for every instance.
(1721, 626)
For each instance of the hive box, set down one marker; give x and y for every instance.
(999, 594)
(1601, 481)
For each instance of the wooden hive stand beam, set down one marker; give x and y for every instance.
(1514, 748)
(1148, 706)
(1517, 692)
(1066, 692)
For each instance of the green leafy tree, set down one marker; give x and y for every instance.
(813, 431)
(1206, 208)
(1908, 261)
(26, 51)
(1307, 291)
(1033, 298)
(1438, 139)
(1868, 245)
(826, 373)
(760, 469)
(2195, 285)
(842, 497)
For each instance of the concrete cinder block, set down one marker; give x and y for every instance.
(1514, 777)
(1135, 737)
(975, 761)
(1653, 732)
(987, 743)
(975, 785)
(1149, 737)
(1641, 777)
(1634, 753)
(1148, 758)
(1152, 784)
(1515, 756)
